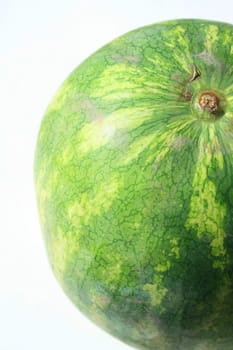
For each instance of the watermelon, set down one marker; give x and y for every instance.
(134, 184)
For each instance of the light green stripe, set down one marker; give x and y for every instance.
(207, 214)
(211, 37)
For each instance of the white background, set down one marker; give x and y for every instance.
(41, 42)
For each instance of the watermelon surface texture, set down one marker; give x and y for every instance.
(134, 183)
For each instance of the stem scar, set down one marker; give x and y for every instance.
(209, 101)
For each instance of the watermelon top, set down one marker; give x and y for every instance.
(134, 180)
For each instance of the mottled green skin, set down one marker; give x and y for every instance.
(135, 187)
